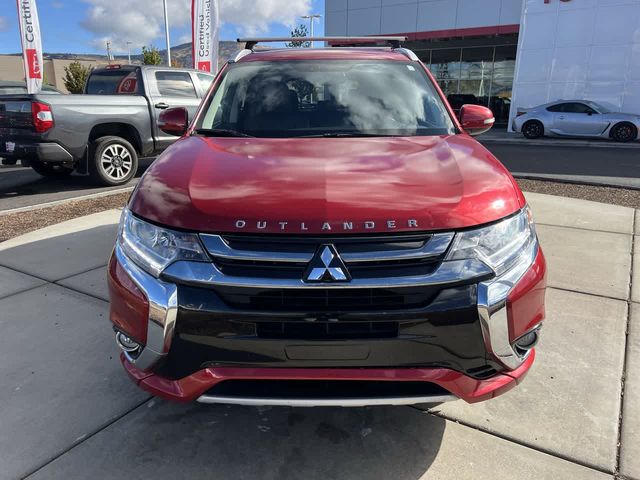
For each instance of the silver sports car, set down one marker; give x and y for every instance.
(577, 118)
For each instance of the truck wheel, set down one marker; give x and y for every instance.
(113, 161)
(52, 170)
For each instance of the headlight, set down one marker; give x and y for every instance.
(499, 245)
(155, 248)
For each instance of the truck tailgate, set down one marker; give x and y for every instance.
(15, 112)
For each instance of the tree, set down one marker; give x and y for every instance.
(151, 56)
(299, 32)
(75, 76)
(177, 63)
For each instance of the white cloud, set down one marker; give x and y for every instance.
(4, 24)
(142, 22)
(186, 38)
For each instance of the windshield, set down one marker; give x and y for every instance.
(326, 98)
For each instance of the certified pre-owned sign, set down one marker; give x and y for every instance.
(205, 30)
(31, 44)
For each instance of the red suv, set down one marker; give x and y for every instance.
(327, 232)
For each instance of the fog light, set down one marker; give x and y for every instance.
(527, 341)
(126, 343)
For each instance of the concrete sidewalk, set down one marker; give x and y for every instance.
(69, 411)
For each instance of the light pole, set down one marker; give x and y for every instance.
(311, 19)
(129, 51)
(109, 51)
(166, 32)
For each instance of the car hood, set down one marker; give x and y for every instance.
(325, 185)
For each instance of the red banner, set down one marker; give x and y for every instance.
(31, 44)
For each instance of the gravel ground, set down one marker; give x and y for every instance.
(12, 225)
(15, 224)
(616, 196)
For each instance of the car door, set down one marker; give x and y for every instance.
(169, 89)
(579, 119)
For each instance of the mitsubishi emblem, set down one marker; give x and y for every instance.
(326, 266)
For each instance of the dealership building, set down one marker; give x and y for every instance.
(511, 54)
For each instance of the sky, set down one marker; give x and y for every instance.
(83, 26)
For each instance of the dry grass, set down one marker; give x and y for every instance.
(14, 224)
(615, 196)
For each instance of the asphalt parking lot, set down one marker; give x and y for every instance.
(22, 187)
(69, 411)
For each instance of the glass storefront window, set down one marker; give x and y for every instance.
(476, 71)
(445, 66)
(477, 75)
(502, 85)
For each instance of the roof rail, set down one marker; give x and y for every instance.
(239, 55)
(392, 41)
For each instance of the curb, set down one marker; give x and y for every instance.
(572, 181)
(559, 143)
(66, 200)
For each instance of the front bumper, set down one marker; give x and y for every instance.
(195, 387)
(467, 352)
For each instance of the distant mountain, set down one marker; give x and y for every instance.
(180, 54)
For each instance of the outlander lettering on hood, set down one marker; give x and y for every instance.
(346, 226)
(327, 232)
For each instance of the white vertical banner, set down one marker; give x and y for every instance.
(31, 44)
(205, 31)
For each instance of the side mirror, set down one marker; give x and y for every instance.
(174, 121)
(476, 119)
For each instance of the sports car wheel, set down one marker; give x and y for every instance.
(533, 129)
(624, 132)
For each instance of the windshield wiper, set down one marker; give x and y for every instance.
(221, 132)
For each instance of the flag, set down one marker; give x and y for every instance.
(31, 44)
(205, 29)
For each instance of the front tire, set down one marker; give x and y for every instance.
(624, 132)
(51, 170)
(113, 161)
(533, 129)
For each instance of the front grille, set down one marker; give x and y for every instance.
(326, 330)
(259, 262)
(326, 300)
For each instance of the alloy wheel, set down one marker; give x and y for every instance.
(116, 161)
(533, 130)
(623, 133)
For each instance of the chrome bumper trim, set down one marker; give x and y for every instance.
(435, 246)
(492, 309)
(163, 299)
(325, 402)
(216, 246)
(207, 274)
(163, 309)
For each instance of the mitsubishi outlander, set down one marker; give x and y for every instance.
(326, 231)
